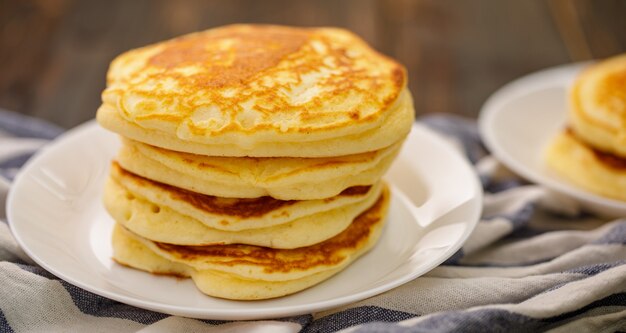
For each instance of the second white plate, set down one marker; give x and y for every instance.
(518, 121)
(56, 215)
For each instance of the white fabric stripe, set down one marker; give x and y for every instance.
(187, 325)
(486, 233)
(4, 133)
(496, 171)
(545, 246)
(567, 298)
(32, 303)
(427, 295)
(489, 166)
(583, 256)
(9, 250)
(574, 295)
(513, 199)
(510, 201)
(548, 221)
(609, 322)
(10, 147)
(177, 324)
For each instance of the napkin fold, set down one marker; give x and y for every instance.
(535, 262)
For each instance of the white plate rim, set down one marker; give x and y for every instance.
(537, 81)
(245, 314)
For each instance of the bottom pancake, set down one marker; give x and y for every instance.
(598, 172)
(245, 272)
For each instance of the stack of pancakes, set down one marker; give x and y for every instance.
(591, 152)
(252, 156)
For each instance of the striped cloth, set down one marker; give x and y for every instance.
(534, 263)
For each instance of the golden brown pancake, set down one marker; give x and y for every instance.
(230, 214)
(252, 272)
(167, 219)
(592, 169)
(283, 178)
(598, 106)
(259, 90)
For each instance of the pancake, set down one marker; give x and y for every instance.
(598, 106)
(240, 177)
(261, 91)
(251, 272)
(589, 168)
(159, 223)
(231, 214)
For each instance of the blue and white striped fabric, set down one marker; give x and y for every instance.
(534, 263)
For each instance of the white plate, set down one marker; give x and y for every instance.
(518, 121)
(56, 215)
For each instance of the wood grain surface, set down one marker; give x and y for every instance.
(54, 53)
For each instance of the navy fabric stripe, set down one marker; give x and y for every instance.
(213, 322)
(302, 320)
(595, 269)
(492, 186)
(355, 316)
(589, 270)
(484, 180)
(617, 235)
(526, 232)
(23, 126)
(509, 265)
(522, 217)
(484, 320)
(8, 174)
(464, 130)
(36, 270)
(519, 218)
(491, 320)
(4, 324)
(15, 161)
(456, 257)
(99, 306)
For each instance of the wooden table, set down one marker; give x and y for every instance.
(54, 53)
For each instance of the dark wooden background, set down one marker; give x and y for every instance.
(54, 53)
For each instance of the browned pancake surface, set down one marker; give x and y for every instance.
(241, 207)
(328, 252)
(610, 160)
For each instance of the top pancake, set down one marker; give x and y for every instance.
(598, 106)
(257, 90)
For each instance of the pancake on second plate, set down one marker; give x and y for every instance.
(284, 178)
(598, 106)
(166, 214)
(261, 91)
(591, 152)
(252, 272)
(594, 170)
